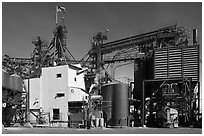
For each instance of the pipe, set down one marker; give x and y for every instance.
(195, 36)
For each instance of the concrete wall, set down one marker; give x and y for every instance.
(51, 85)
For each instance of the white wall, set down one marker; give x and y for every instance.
(43, 90)
(76, 94)
(51, 85)
(80, 78)
(34, 92)
(75, 82)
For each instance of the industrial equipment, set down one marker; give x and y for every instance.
(166, 74)
(13, 99)
(169, 103)
(115, 104)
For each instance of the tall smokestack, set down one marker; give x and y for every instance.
(195, 36)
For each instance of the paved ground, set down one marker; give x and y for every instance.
(103, 131)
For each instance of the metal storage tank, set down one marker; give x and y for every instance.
(120, 105)
(5, 79)
(106, 91)
(16, 82)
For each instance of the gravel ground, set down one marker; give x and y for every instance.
(137, 130)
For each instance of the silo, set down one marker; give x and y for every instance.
(119, 105)
(106, 91)
(5, 79)
(16, 83)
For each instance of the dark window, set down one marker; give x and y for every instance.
(60, 94)
(75, 79)
(59, 75)
(56, 114)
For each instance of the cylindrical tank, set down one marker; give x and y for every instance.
(5, 79)
(96, 122)
(16, 82)
(101, 122)
(106, 91)
(120, 105)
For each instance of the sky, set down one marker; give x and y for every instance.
(23, 21)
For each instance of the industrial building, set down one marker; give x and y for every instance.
(52, 89)
(51, 94)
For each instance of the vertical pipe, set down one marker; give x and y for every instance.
(27, 101)
(99, 66)
(195, 36)
(198, 100)
(190, 88)
(143, 102)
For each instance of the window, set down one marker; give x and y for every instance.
(60, 94)
(56, 114)
(59, 75)
(75, 79)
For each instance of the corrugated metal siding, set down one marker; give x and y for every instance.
(177, 62)
(161, 59)
(191, 62)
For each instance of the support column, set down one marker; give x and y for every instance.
(143, 103)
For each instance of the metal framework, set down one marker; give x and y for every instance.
(126, 49)
(43, 55)
(14, 104)
(132, 47)
(175, 93)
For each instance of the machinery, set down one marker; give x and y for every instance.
(165, 76)
(13, 99)
(163, 55)
(167, 103)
